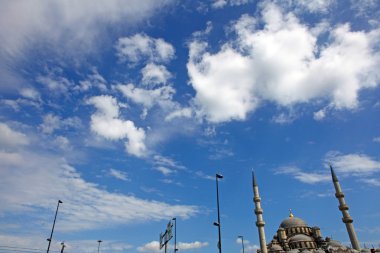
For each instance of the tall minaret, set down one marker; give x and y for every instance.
(343, 207)
(259, 214)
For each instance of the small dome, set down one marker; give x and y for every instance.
(292, 222)
(276, 247)
(336, 244)
(300, 238)
(293, 251)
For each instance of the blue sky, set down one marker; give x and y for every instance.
(125, 110)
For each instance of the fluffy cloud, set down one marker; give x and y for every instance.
(155, 74)
(353, 164)
(304, 177)
(106, 123)
(153, 246)
(10, 138)
(142, 47)
(282, 63)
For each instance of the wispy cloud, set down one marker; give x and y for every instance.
(304, 177)
(121, 175)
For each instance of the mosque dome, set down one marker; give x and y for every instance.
(275, 248)
(292, 222)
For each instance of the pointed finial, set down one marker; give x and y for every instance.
(254, 183)
(290, 213)
(333, 175)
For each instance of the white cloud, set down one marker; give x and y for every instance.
(62, 142)
(353, 164)
(314, 5)
(53, 122)
(222, 83)
(121, 175)
(85, 205)
(282, 63)
(154, 74)
(30, 93)
(165, 171)
(161, 96)
(167, 162)
(50, 123)
(93, 80)
(69, 23)
(371, 181)
(304, 177)
(10, 138)
(106, 123)
(284, 118)
(320, 115)
(37, 242)
(142, 47)
(192, 245)
(153, 246)
(180, 113)
(201, 174)
(222, 3)
(376, 139)
(55, 84)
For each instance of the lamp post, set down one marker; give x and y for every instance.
(99, 241)
(242, 241)
(218, 176)
(52, 230)
(63, 246)
(175, 234)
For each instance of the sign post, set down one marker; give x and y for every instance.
(166, 236)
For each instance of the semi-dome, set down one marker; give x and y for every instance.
(276, 247)
(300, 238)
(292, 222)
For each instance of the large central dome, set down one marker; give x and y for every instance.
(292, 222)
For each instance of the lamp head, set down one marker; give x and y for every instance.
(60, 201)
(219, 176)
(216, 224)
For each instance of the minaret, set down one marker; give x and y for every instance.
(259, 214)
(343, 207)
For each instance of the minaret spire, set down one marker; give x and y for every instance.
(343, 207)
(259, 214)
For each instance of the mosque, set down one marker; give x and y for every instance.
(295, 236)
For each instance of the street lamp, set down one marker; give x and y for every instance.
(99, 241)
(175, 234)
(218, 176)
(242, 241)
(63, 246)
(52, 230)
